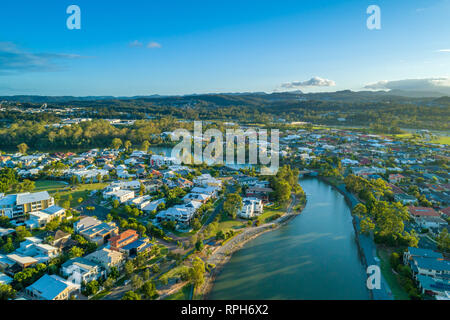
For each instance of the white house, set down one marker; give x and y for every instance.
(82, 270)
(251, 207)
(121, 195)
(39, 219)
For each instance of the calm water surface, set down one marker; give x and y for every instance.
(314, 256)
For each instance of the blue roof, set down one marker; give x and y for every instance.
(49, 287)
(432, 264)
(136, 244)
(52, 210)
(432, 284)
(420, 252)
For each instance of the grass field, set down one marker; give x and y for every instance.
(49, 185)
(175, 272)
(404, 135)
(182, 294)
(81, 191)
(439, 140)
(442, 140)
(268, 214)
(391, 278)
(227, 223)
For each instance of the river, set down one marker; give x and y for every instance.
(314, 256)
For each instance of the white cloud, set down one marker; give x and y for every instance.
(16, 60)
(136, 44)
(444, 50)
(153, 45)
(313, 82)
(437, 84)
(150, 45)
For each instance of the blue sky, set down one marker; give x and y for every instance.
(219, 46)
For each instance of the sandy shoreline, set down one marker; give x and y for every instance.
(223, 254)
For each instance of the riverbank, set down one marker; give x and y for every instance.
(366, 246)
(220, 256)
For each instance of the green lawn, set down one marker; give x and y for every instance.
(49, 185)
(182, 294)
(403, 135)
(101, 294)
(81, 191)
(442, 140)
(391, 278)
(175, 272)
(268, 214)
(228, 224)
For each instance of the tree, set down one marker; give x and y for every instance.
(232, 204)
(22, 148)
(76, 252)
(282, 191)
(367, 225)
(145, 145)
(127, 145)
(155, 268)
(27, 186)
(136, 282)
(196, 224)
(131, 295)
(146, 275)
(114, 273)
(7, 292)
(66, 204)
(22, 233)
(129, 267)
(116, 204)
(91, 288)
(8, 178)
(220, 235)
(116, 143)
(197, 272)
(8, 247)
(360, 210)
(443, 240)
(199, 245)
(149, 289)
(109, 283)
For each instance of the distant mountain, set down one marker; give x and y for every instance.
(418, 94)
(248, 97)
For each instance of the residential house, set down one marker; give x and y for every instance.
(251, 207)
(153, 206)
(138, 246)
(260, 193)
(404, 198)
(123, 239)
(120, 195)
(82, 270)
(95, 230)
(107, 258)
(50, 287)
(39, 219)
(4, 279)
(17, 205)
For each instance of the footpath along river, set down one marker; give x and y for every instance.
(314, 256)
